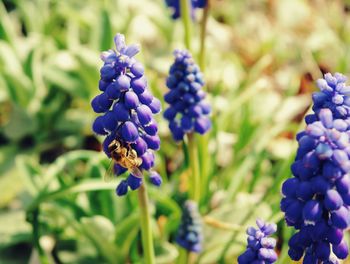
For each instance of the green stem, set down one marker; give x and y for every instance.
(36, 237)
(203, 34)
(183, 256)
(205, 163)
(203, 140)
(146, 229)
(195, 177)
(186, 20)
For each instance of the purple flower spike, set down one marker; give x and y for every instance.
(127, 109)
(333, 95)
(174, 5)
(316, 201)
(189, 234)
(187, 112)
(260, 248)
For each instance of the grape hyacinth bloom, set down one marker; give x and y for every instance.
(260, 247)
(199, 3)
(175, 7)
(127, 108)
(316, 200)
(189, 235)
(333, 95)
(187, 111)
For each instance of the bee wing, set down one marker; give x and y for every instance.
(136, 172)
(109, 174)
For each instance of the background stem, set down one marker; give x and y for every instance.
(203, 34)
(186, 20)
(36, 237)
(195, 177)
(203, 140)
(183, 256)
(146, 228)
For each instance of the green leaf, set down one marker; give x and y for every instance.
(166, 253)
(126, 232)
(64, 81)
(20, 87)
(84, 186)
(10, 186)
(20, 124)
(100, 231)
(105, 31)
(7, 29)
(14, 228)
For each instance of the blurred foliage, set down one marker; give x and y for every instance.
(263, 56)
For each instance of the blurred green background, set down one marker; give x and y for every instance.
(262, 59)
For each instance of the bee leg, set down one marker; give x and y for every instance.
(132, 154)
(124, 152)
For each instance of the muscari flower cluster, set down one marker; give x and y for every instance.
(317, 199)
(187, 111)
(175, 6)
(189, 235)
(127, 107)
(333, 95)
(260, 247)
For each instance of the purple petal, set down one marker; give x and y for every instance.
(333, 200)
(326, 117)
(119, 41)
(341, 250)
(129, 132)
(155, 178)
(323, 85)
(131, 50)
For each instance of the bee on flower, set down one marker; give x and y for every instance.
(127, 109)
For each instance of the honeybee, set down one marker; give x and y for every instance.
(124, 156)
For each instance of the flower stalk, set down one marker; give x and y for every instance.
(203, 146)
(146, 228)
(36, 237)
(186, 20)
(195, 193)
(183, 256)
(203, 34)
